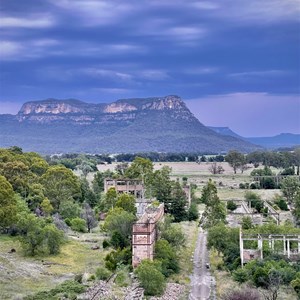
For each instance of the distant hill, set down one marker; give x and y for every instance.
(161, 124)
(225, 131)
(283, 140)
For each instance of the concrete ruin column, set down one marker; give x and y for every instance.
(284, 246)
(241, 248)
(298, 244)
(288, 248)
(260, 246)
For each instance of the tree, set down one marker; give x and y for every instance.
(121, 221)
(8, 203)
(60, 185)
(98, 181)
(121, 169)
(254, 201)
(87, 193)
(46, 207)
(54, 238)
(166, 254)
(296, 211)
(177, 205)
(216, 169)
(161, 185)
(215, 211)
(193, 213)
(208, 192)
(69, 209)
(78, 224)
(150, 277)
(110, 200)
(140, 168)
(235, 159)
(37, 235)
(289, 187)
(173, 234)
(127, 202)
(88, 215)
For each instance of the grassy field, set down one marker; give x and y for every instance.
(21, 275)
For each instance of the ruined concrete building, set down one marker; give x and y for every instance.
(284, 244)
(145, 233)
(133, 187)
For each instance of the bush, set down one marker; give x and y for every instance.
(244, 294)
(105, 244)
(102, 273)
(68, 289)
(78, 224)
(174, 235)
(254, 186)
(165, 253)
(151, 278)
(231, 205)
(116, 258)
(282, 204)
(193, 213)
(122, 279)
(240, 275)
(246, 222)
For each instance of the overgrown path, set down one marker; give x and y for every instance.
(201, 279)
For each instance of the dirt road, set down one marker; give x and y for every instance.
(201, 279)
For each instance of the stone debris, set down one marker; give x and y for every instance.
(173, 292)
(100, 290)
(134, 292)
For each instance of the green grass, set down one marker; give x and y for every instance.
(22, 275)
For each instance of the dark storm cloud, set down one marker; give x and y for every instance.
(105, 50)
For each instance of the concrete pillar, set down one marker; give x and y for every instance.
(288, 248)
(241, 248)
(260, 246)
(270, 242)
(284, 246)
(298, 244)
(272, 245)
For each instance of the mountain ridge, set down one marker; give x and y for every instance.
(162, 124)
(282, 140)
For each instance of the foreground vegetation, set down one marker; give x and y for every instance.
(49, 216)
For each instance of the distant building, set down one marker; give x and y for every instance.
(134, 187)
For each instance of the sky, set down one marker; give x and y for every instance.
(235, 63)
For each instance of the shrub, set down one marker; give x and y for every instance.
(165, 253)
(240, 275)
(92, 277)
(193, 213)
(246, 222)
(78, 224)
(105, 244)
(102, 273)
(115, 258)
(254, 186)
(174, 235)
(231, 205)
(68, 289)
(150, 277)
(244, 294)
(122, 279)
(281, 203)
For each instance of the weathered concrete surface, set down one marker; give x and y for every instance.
(201, 279)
